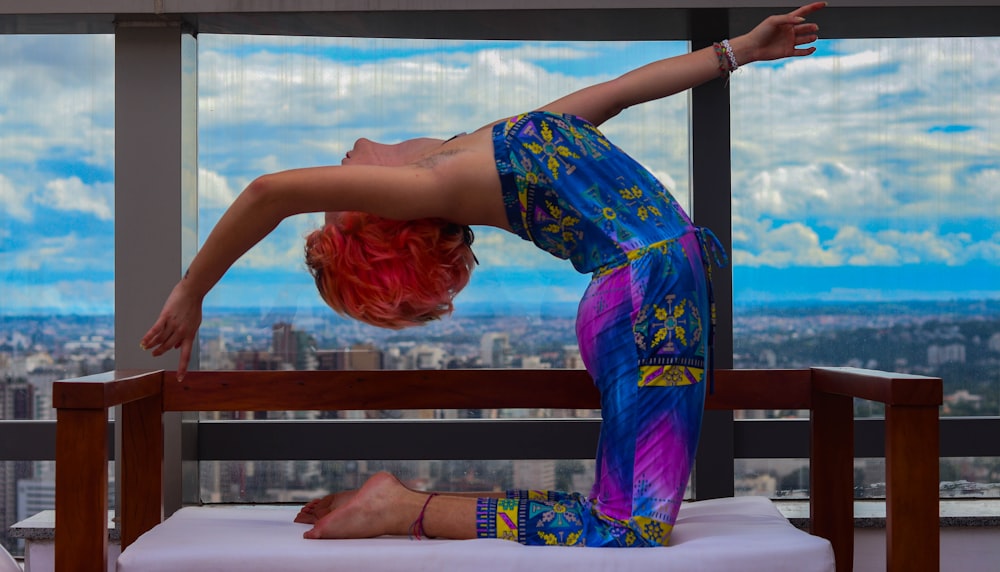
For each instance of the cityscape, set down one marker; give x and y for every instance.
(958, 341)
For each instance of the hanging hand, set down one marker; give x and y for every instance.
(176, 327)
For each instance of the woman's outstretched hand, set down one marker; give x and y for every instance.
(780, 36)
(176, 327)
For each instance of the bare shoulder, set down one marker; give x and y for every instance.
(466, 171)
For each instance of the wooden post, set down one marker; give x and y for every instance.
(912, 442)
(141, 469)
(831, 474)
(81, 465)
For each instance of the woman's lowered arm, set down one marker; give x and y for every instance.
(407, 192)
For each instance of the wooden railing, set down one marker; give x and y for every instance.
(912, 441)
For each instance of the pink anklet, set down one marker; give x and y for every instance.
(417, 528)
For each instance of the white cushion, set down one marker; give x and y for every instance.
(7, 563)
(742, 533)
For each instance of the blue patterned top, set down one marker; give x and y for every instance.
(577, 196)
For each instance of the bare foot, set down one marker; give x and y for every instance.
(381, 506)
(318, 508)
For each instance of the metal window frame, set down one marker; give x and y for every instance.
(474, 439)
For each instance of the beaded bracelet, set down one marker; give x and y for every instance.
(726, 57)
(730, 55)
(720, 54)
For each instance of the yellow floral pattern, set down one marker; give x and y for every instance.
(669, 375)
(553, 154)
(656, 533)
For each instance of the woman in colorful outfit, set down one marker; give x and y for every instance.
(396, 249)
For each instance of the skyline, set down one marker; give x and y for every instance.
(855, 175)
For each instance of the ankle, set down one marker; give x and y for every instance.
(417, 531)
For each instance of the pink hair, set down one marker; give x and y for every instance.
(390, 273)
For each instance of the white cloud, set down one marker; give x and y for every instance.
(73, 195)
(13, 200)
(928, 246)
(987, 250)
(58, 98)
(499, 249)
(283, 248)
(866, 139)
(78, 296)
(795, 244)
(214, 191)
(64, 253)
(823, 191)
(857, 248)
(985, 187)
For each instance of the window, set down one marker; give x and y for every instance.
(272, 103)
(864, 201)
(56, 236)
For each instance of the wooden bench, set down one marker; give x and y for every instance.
(911, 410)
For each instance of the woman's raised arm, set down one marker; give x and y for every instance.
(774, 38)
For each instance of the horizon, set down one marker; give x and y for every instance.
(563, 309)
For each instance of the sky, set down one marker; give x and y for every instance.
(869, 171)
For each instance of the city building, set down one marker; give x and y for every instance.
(16, 402)
(359, 356)
(494, 349)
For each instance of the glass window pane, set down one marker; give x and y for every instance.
(56, 235)
(970, 477)
(271, 103)
(302, 481)
(865, 200)
(961, 477)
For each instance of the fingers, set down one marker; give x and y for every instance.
(185, 359)
(165, 342)
(156, 346)
(807, 9)
(148, 341)
(799, 40)
(806, 34)
(162, 338)
(806, 28)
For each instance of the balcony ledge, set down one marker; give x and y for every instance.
(954, 513)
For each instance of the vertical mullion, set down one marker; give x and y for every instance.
(711, 206)
(156, 200)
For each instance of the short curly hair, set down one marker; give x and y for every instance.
(389, 273)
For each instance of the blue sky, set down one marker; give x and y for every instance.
(855, 175)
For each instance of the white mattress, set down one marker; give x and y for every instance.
(7, 563)
(742, 533)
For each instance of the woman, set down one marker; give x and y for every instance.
(399, 215)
